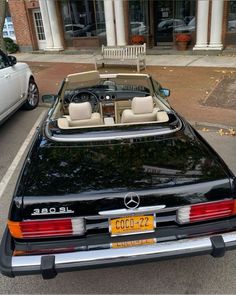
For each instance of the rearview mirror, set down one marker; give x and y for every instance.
(165, 92)
(49, 98)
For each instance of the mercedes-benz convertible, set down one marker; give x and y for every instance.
(115, 176)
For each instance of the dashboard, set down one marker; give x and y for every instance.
(101, 95)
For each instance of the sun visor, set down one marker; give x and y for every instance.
(80, 80)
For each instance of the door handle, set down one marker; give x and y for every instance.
(7, 76)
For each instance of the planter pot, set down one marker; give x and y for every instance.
(137, 39)
(182, 45)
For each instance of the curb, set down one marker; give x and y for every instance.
(213, 126)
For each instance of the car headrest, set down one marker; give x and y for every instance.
(142, 105)
(80, 111)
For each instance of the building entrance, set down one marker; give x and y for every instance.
(38, 23)
(172, 17)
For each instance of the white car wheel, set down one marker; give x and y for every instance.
(33, 96)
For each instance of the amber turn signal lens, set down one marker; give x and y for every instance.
(15, 230)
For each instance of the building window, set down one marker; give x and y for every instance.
(232, 17)
(138, 17)
(39, 25)
(84, 18)
(172, 17)
(8, 29)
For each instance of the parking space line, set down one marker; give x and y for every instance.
(6, 178)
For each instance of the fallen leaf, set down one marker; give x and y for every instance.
(232, 132)
(229, 132)
(205, 129)
(221, 132)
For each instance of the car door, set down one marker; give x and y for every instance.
(5, 86)
(10, 86)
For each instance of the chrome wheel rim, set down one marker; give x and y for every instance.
(33, 94)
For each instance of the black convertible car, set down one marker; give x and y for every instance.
(115, 176)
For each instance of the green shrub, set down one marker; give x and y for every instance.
(11, 46)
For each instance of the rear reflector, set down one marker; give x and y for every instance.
(47, 228)
(206, 211)
(43, 251)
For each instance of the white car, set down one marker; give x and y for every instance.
(170, 24)
(232, 25)
(17, 87)
(189, 28)
(138, 28)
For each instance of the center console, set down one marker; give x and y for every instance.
(108, 111)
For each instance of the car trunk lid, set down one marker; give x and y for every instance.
(84, 179)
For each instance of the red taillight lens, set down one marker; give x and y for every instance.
(211, 210)
(47, 228)
(206, 211)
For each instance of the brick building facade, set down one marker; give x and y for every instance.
(54, 25)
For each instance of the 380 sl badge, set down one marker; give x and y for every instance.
(51, 211)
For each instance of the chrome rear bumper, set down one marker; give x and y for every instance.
(50, 265)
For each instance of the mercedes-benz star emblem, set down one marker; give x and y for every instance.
(132, 200)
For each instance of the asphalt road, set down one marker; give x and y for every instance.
(202, 274)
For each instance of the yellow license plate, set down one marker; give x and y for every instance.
(132, 225)
(133, 243)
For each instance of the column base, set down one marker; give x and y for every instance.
(215, 47)
(56, 49)
(201, 47)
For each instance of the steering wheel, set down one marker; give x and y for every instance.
(84, 96)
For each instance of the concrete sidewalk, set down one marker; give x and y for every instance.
(203, 88)
(152, 60)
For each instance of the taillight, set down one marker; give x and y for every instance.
(47, 228)
(206, 211)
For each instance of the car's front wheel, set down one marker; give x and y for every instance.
(33, 96)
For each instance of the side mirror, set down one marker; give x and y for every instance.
(12, 59)
(49, 98)
(165, 92)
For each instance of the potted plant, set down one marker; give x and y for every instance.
(182, 41)
(137, 39)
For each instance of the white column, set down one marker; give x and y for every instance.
(202, 25)
(109, 19)
(120, 22)
(216, 25)
(57, 44)
(46, 25)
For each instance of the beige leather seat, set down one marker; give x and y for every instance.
(142, 110)
(80, 114)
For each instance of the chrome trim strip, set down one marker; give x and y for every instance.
(158, 250)
(114, 137)
(125, 212)
(134, 233)
(104, 76)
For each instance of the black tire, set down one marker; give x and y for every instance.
(32, 96)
